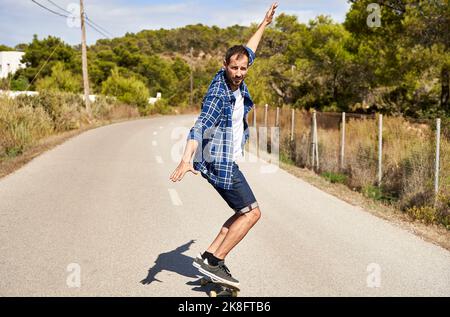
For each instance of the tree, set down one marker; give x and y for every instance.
(60, 80)
(406, 55)
(129, 90)
(100, 63)
(48, 52)
(5, 48)
(330, 57)
(426, 26)
(159, 74)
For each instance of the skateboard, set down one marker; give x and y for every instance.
(222, 289)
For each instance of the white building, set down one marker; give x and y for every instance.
(14, 94)
(10, 62)
(152, 100)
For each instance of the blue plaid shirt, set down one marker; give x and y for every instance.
(213, 129)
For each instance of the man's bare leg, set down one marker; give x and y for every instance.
(239, 227)
(222, 233)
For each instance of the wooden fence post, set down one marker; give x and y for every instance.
(292, 124)
(436, 168)
(342, 140)
(380, 148)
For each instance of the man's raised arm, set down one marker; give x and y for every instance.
(256, 38)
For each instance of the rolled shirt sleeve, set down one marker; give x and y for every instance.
(251, 56)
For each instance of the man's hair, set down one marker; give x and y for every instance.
(237, 49)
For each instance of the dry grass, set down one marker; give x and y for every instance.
(21, 127)
(10, 164)
(408, 159)
(32, 125)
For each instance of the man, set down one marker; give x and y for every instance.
(222, 131)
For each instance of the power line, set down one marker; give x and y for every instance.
(95, 26)
(54, 12)
(54, 49)
(59, 7)
(66, 16)
(98, 31)
(101, 28)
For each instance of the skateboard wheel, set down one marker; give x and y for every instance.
(213, 294)
(234, 293)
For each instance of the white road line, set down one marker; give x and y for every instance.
(159, 159)
(154, 143)
(176, 201)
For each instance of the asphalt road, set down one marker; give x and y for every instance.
(98, 216)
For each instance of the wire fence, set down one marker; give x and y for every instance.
(400, 160)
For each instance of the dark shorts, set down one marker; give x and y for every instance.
(240, 197)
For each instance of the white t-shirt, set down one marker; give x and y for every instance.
(238, 125)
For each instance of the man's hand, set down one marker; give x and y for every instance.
(256, 38)
(182, 169)
(269, 15)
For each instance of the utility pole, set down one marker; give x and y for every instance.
(191, 98)
(84, 61)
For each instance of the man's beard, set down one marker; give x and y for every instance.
(233, 81)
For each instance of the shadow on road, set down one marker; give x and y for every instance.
(173, 261)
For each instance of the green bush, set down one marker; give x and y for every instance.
(443, 209)
(66, 110)
(19, 84)
(285, 158)
(377, 193)
(439, 213)
(102, 107)
(425, 214)
(161, 106)
(60, 80)
(128, 90)
(335, 177)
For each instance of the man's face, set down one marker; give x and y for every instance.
(236, 70)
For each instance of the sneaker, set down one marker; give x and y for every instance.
(199, 261)
(219, 273)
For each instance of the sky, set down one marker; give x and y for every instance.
(20, 19)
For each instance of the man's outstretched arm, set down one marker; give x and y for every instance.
(256, 38)
(208, 118)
